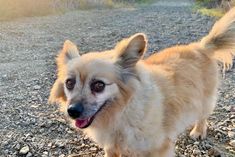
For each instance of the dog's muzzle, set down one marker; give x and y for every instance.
(77, 112)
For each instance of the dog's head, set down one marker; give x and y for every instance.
(97, 85)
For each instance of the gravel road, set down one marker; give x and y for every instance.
(30, 127)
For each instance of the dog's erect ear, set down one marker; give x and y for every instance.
(68, 52)
(57, 94)
(131, 50)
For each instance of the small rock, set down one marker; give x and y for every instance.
(228, 108)
(49, 145)
(224, 129)
(24, 150)
(232, 143)
(232, 109)
(59, 144)
(61, 120)
(34, 106)
(196, 143)
(232, 151)
(196, 152)
(208, 146)
(231, 134)
(86, 138)
(45, 153)
(232, 117)
(17, 147)
(62, 155)
(29, 155)
(36, 87)
(69, 132)
(214, 152)
(94, 149)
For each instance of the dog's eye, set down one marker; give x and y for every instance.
(70, 83)
(97, 86)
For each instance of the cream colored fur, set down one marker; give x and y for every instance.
(155, 99)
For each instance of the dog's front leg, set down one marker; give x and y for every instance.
(112, 152)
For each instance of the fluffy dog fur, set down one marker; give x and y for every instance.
(151, 100)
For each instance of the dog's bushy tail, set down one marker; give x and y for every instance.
(220, 42)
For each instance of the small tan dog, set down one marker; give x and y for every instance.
(136, 107)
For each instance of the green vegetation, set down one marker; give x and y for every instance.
(215, 8)
(11, 9)
(211, 12)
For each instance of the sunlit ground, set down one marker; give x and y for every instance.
(11, 9)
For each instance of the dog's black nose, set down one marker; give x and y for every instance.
(75, 110)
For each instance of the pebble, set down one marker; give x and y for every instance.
(196, 152)
(227, 108)
(17, 147)
(86, 138)
(232, 117)
(29, 154)
(59, 144)
(94, 149)
(36, 87)
(231, 134)
(208, 146)
(45, 154)
(49, 145)
(214, 152)
(232, 109)
(24, 150)
(232, 143)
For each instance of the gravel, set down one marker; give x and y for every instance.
(30, 127)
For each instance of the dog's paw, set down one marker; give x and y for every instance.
(196, 134)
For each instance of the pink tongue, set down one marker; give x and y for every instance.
(81, 123)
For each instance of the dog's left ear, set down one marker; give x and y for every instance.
(131, 50)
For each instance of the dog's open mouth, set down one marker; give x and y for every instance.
(84, 123)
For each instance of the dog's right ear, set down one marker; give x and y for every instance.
(69, 52)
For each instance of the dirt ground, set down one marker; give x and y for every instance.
(30, 127)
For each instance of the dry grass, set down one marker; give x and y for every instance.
(17, 8)
(215, 8)
(212, 12)
(10, 9)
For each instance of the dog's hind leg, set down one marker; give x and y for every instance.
(200, 128)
